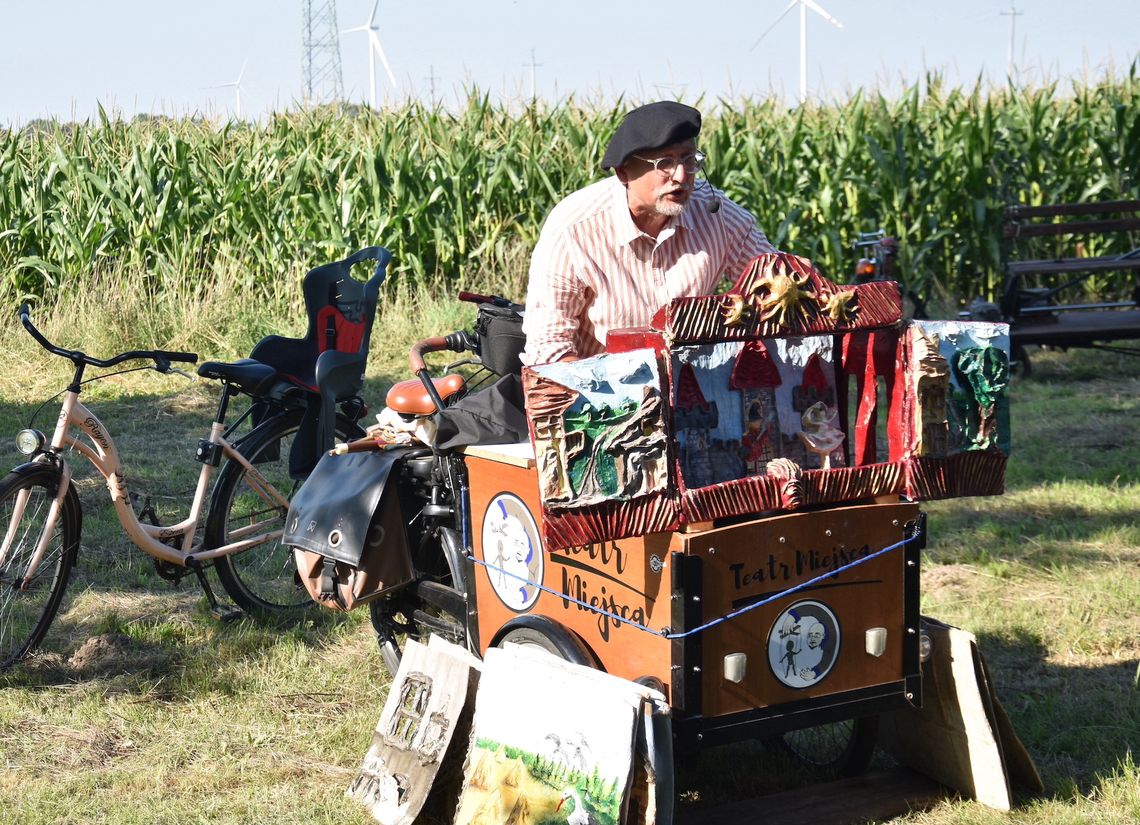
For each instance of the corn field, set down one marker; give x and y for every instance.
(457, 194)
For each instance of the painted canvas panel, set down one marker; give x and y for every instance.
(975, 359)
(553, 742)
(599, 429)
(421, 735)
(738, 405)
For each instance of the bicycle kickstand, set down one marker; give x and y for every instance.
(221, 612)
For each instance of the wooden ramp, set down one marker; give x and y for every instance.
(874, 797)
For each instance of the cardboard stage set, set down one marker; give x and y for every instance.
(737, 404)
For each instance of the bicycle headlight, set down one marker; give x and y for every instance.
(30, 441)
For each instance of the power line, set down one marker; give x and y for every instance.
(1012, 14)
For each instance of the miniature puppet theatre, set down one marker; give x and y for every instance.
(785, 393)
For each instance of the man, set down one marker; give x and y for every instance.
(611, 254)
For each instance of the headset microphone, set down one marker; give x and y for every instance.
(714, 207)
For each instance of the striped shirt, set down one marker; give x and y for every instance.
(593, 270)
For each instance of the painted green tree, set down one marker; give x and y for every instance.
(980, 402)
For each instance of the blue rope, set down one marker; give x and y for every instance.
(665, 632)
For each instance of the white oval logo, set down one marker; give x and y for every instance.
(803, 644)
(513, 552)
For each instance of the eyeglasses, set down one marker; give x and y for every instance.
(668, 165)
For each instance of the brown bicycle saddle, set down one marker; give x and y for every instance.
(411, 397)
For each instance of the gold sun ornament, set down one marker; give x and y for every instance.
(786, 301)
(841, 306)
(735, 310)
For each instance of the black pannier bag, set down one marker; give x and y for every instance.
(347, 531)
(501, 339)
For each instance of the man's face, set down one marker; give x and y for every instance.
(651, 190)
(815, 636)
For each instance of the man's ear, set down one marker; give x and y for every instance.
(622, 175)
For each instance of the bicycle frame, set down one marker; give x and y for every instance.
(154, 540)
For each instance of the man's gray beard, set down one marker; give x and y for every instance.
(670, 209)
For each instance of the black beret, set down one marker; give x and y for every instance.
(652, 126)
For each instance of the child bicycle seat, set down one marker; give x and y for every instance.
(329, 361)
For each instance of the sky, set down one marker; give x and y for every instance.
(63, 58)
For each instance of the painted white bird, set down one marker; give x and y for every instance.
(578, 816)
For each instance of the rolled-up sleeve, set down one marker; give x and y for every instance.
(555, 303)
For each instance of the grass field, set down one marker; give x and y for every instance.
(173, 717)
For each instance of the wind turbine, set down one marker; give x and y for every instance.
(374, 48)
(237, 88)
(804, 6)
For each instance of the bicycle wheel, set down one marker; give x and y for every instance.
(417, 611)
(263, 579)
(835, 749)
(27, 608)
(429, 605)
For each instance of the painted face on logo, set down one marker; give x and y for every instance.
(514, 544)
(815, 635)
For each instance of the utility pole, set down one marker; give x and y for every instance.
(1012, 14)
(533, 77)
(431, 79)
(322, 79)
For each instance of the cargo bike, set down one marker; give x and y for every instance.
(724, 505)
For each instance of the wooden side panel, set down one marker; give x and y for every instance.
(811, 643)
(603, 445)
(629, 577)
(958, 373)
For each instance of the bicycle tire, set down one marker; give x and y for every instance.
(263, 579)
(27, 612)
(549, 636)
(837, 749)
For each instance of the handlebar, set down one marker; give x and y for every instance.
(455, 342)
(494, 300)
(162, 358)
(458, 341)
(869, 239)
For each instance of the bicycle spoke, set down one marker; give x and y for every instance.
(261, 579)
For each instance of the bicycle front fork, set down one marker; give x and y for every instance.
(52, 519)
